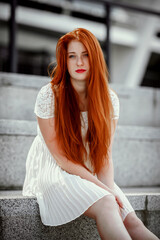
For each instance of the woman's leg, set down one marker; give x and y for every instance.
(109, 223)
(136, 228)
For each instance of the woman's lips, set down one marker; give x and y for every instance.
(80, 70)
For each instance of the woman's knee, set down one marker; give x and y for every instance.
(103, 205)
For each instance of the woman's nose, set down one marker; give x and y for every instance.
(79, 61)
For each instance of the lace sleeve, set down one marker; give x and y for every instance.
(44, 107)
(115, 102)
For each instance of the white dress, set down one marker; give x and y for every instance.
(62, 197)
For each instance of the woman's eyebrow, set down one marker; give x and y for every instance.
(70, 52)
(75, 52)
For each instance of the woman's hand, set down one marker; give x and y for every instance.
(118, 199)
(119, 203)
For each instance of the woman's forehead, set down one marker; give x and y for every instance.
(76, 46)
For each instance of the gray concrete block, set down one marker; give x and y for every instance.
(18, 127)
(144, 190)
(138, 201)
(137, 132)
(153, 222)
(16, 138)
(136, 154)
(19, 92)
(153, 202)
(14, 150)
(23, 80)
(31, 228)
(141, 215)
(20, 220)
(136, 164)
(17, 103)
(138, 106)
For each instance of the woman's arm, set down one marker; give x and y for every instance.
(48, 131)
(47, 127)
(106, 175)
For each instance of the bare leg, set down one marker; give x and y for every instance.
(109, 223)
(136, 228)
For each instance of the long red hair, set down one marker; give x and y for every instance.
(67, 112)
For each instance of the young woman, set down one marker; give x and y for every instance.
(69, 166)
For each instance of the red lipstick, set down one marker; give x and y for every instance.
(80, 70)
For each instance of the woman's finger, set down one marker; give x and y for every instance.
(120, 203)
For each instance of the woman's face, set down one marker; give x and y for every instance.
(77, 61)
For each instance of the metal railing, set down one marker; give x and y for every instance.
(108, 4)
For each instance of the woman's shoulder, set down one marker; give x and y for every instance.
(46, 90)
(112, 92)
(115, 103)
(114, 95)
(44, 106)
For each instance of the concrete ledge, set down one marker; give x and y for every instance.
(153, 202)
(19, 102)
(18, 92)
(24, 127)
(136, 152)
(20, 219)
(18, 127)
(23, 80)
(138, 106)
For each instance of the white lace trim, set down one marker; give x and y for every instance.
(115, 103)
(44, 107)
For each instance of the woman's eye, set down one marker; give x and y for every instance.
(71, 56)
(85, 55)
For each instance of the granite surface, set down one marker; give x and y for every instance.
(20, 219)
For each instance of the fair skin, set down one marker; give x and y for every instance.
(106, 210)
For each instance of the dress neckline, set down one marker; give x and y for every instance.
(84, 112)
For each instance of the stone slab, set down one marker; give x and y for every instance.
(138, 106)
(153, 222)
(18, 127)
(138, 201)
(17, 103)
(23, 80)
(153, 202)
(20, 220)
(136, 154)
(14, 150)
(144, 190)
(19, 92)
(136, 162)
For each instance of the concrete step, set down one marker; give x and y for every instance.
(18, 92)
(20, 219)
(136, 154)
(138, 106)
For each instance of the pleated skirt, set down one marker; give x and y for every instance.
(62, 197)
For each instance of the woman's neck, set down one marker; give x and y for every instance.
(81, 89)
(83, 104)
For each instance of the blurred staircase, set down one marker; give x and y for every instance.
(136, 155)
